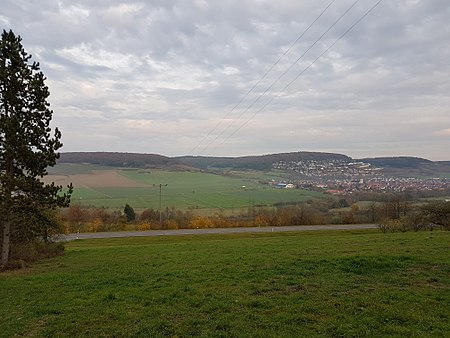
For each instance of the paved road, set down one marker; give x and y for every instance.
(86, 235)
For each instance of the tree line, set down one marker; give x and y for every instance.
(394, 213)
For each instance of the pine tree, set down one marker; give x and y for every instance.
(129, 213)
(27, 148)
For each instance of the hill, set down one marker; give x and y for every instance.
(115, 159)
(404, 166)
(397, 162)
(261, 162)
(410, 166)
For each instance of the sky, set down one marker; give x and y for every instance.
(240, 77)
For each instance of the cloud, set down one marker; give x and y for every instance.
(443, 132)
(184, 74)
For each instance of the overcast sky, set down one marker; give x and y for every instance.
(164, 76)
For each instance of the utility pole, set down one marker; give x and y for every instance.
(160, 201)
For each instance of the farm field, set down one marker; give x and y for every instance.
(333, 284)
(114, 187)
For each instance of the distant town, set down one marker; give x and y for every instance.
(342, 177)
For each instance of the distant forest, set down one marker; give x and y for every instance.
(112, 159)
(263, 162)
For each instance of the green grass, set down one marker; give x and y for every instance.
(73, 169)
(325, 284)
(189, 190)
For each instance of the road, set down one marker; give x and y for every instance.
(89, 235)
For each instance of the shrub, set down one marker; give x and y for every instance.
(14, 264)
(437, 212)
(201, 223)
(392, 225)
(172, 224)
(142, 226)
(23, 254)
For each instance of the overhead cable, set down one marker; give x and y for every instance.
(261, 79)
(298, 75)
(283, 73)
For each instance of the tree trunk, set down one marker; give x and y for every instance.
(5, 242)
(6, 227)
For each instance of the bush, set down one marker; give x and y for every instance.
(413, 222)
(201, 223)
(24, 254)
(392, 225)
(143, 226)
(14, 264)
(438, 213)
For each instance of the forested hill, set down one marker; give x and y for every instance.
(261, 162)
(407, 166)
(112, 159)
(397, 162)
(392, 165)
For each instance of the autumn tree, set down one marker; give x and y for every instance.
(437, 212)
(27, 148)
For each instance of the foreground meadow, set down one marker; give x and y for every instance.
(339, 284)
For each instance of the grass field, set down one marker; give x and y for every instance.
(325, 284)
(113, 188)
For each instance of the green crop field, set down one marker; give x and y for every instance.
(113, 188)
(193, 197)
(308, 284)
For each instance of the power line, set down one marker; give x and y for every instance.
(284, 73)
(262, 78)
(299, 74)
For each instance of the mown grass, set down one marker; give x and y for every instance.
(330, 284)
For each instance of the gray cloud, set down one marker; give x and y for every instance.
(163, 76)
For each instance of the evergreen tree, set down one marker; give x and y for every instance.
(129, 213)
(27, 148)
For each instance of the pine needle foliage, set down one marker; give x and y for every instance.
(27, 148)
